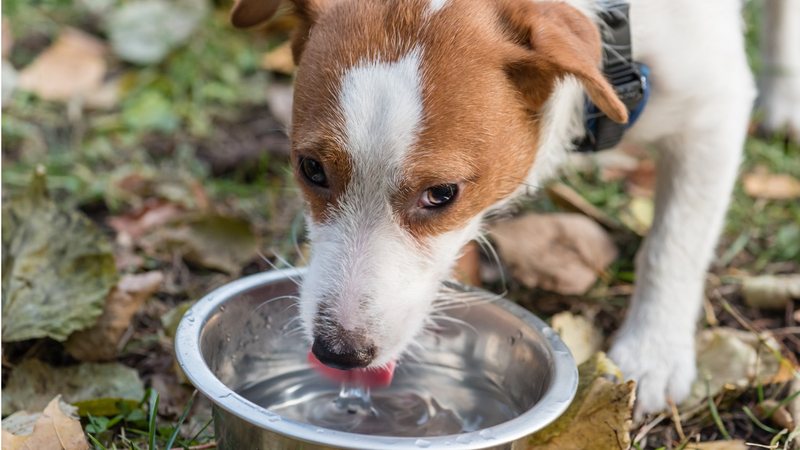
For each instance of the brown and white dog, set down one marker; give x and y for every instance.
(413, 119)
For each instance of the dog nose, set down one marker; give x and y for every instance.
(347, 353)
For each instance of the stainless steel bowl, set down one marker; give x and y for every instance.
(241, 334)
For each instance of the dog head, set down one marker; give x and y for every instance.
(412, 118)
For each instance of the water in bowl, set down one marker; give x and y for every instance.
(423, 400)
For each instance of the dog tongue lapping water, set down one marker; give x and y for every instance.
(370, 377)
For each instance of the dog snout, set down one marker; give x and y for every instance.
(343, 350)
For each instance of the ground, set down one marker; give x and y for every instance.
(181, 168)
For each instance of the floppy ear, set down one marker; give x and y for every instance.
(554, 40)
(249, 13)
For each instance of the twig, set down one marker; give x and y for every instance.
(648, 427)
(676, 419)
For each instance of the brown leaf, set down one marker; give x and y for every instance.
(563, 253)
(771, 291)
(57, 428)
(100, 342)
(72, 67)
(279, 59)
(761, 184)
(152, 214)
(218, 242)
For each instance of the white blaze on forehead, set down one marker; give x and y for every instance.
(381, 104)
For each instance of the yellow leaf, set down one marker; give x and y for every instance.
(600, 417)
(582, 337)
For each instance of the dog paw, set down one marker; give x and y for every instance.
(663, 367)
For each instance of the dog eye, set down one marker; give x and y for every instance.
(437, 196)
(313, 172)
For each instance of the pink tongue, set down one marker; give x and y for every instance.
(377, 377)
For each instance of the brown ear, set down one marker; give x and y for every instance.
(249, 13)
(557, 40)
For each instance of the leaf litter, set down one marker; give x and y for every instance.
(58, 267)
(95, 388)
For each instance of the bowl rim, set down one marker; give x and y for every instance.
(556, 399)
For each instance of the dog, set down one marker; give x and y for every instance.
(415, 119)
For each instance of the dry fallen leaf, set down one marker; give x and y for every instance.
(218, 242)
(57, 428)
(97, 389)
(73, 66)
(718, 445)
(154, 213)
(101, 342)
(771, 291)
(582, 337)
(279, 59)
(58, 267)
(734, 359)
(563, 253)
(761, 184)
(601, 412)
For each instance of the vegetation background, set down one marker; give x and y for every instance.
(144, 162)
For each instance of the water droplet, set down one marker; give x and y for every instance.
(463, 439)
(272, 417)
(548, 332)
(221, 308)
(486, 434)
(191, 319)
(422, 443)
(320, 430)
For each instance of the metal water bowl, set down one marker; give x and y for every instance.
(241, 335)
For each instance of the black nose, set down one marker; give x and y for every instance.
(343, 352)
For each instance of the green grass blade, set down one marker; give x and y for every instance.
(715, 414)
(152, 415)
(758, 423)
(177, 429)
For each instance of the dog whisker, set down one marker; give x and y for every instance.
(275, 267)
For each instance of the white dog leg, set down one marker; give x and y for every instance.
(780, 79)
(696, 174)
